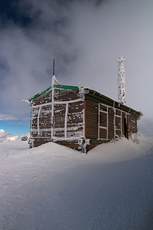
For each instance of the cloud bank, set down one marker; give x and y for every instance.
(86, 38)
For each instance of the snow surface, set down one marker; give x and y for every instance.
(54, 187)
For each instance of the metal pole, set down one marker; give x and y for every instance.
(53, 67)
(52, 115)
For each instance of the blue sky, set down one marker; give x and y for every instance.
(86, 38)
(15, 128)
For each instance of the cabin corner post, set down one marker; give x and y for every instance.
(83, 140)
(30, 142)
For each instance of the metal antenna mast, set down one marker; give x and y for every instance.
(54, 79)
(121, 81)
(53, 67)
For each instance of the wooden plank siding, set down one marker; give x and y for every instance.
(113, 122)
(43, 99)
(110, 123)
(75, 119)
(91, 118)
(59, 120)
(67, 118)
(132, 124)
(59, 95)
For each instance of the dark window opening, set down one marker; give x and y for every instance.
(125, 128)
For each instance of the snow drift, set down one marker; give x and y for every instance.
(54, 187)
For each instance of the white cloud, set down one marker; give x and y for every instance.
(6, 117)
(86, 42)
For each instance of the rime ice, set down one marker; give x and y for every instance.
(121, 81)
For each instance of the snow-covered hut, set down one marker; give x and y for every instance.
(78, 117)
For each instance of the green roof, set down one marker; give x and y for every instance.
(67, 87)
(57, 87)
(38, 94)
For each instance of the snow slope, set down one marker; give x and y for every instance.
(54, 187)
(5, 136)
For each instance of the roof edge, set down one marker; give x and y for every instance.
(39, 94)
(112, 102)
(57, 87)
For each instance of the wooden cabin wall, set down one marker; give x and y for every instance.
(59, 95)
(74, 123)
(43, 99)
(66, 95)
(59, 120)
(132, 124)
(41, 124)
(75, 118)
(42, 111)
(34, 118)
(119, 122)
(91, 118)
(110, 123)
(106, 115)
